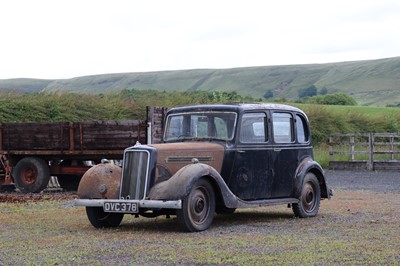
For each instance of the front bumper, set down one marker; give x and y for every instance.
(146, 204)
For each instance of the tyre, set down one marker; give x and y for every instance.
(198, 208)
(310, 198)
(31, 174)
(100, 219)
(69, 182)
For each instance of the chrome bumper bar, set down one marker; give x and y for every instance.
(150, 204)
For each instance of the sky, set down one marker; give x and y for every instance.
(59, 39)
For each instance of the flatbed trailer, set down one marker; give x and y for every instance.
(32, 152)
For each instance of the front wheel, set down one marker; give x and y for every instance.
(310, 198)
(198, 208)
(100, 219)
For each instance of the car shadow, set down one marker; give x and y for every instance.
(239, 218)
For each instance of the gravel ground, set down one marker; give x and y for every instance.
(381, 182)
(359, 226)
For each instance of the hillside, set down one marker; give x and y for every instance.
(371, 82)
(24, 85)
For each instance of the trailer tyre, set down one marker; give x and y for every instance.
(31, 174)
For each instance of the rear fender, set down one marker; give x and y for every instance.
(306, 166)
(180, 184)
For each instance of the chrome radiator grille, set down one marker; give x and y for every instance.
(135, 174)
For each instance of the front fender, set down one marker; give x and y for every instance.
(100, 181)
(180, 184)
(306, 166)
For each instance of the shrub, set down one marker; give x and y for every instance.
(332, 99)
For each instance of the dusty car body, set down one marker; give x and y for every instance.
(214, 159)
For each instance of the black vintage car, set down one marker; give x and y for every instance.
(214, 159)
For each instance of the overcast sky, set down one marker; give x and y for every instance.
(69, 38)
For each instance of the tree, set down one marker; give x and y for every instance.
(323, 91)
(268, 94)
(308, 92)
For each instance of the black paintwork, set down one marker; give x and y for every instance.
(267, 169)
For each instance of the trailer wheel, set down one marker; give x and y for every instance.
(70, 182)
(31, 174)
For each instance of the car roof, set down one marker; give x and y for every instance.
(234, 107)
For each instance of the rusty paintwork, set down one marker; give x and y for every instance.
(173, 156)
(102, 181)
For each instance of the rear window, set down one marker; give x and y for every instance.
(282, 124)
(302, 129)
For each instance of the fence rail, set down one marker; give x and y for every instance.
(371, 151)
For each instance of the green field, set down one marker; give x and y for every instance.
(370, 82)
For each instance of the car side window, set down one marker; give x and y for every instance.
(282, 124)
(301, 129)
(253, 128)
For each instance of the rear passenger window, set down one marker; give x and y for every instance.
(253, 128)
(282, 124)
(301, 129)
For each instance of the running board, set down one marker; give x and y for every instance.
(261, 203)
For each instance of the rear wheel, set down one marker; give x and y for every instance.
(31, 174)
(100, 219)
(198, 208)
(310, 198)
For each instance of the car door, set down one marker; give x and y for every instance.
(251, 176)
(291, 138)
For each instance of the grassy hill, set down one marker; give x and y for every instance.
(370, 82)
(24, 85)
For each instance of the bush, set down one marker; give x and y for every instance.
(131, 104)
(332, 99)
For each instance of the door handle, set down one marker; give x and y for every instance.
(277, 149)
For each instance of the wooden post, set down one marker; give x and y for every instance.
(1, 137)
(391, 147)
(370, 165)
(81, 135)
(71, 137)
(352, 148)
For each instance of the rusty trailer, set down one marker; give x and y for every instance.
(36, 151)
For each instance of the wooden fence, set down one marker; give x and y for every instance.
(371, 151)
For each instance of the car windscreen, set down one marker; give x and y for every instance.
(200, 125)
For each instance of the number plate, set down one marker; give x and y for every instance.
(121, 206)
